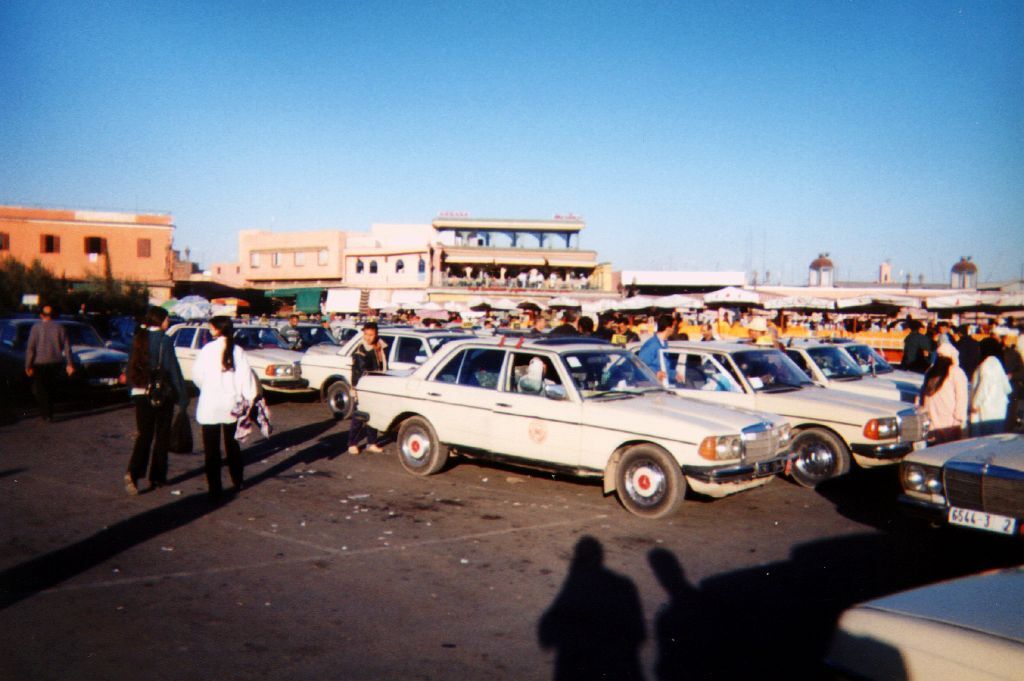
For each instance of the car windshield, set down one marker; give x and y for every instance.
(769, 370)
(252, 338)
(80, 334)
(865, 355)
(609, 372)
(835, 363)
(436, 342)
(316, 335)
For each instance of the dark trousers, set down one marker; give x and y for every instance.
(212, 435)
(153, 428)
(356, 427)
(44, 379)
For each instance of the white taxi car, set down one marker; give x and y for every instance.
(832, 366)
(976, 483)
(277, 368)
(575, 407)
(832, 428)
(328, 368)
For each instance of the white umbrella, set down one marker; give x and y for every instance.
(799, 303)
(732, 295)
(635, 303)
(452, 306)
(601, 305)
(678, 300)
(564, 301)
(192, 308)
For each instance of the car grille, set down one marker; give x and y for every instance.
(999, 490)
(761, 445)
(912, 426)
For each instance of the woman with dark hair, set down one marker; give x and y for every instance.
(227, 388)
(152, 350)
(944, 394)
(990, 393)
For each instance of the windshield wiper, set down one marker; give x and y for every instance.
(786, 386)
(609, 393)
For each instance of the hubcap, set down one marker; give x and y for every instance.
(339, 402)
(816, 460)
(416, 446)
(645, 482)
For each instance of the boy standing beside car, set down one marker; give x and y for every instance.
(371, 355)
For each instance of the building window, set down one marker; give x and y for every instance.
(254, 259)
(421, 266)
(300, 258)
(359, 267)
(399, 266)
(144, 248)
(275, 259)
(48, 243)
(5, 241)
(95, 245)
(321, 257)
(373, 267)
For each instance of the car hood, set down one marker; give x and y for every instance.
(90, 354)
(274, 356)
(838, 403)
(875, 386)
(1005, 450)
(663, 413)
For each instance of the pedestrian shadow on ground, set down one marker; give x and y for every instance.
(596, 624)
(44, 572)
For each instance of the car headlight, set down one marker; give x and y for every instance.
(923, 479)
(785, 433)
(882, 429)
(280, 370)
(721, 447)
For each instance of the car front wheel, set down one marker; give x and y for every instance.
(818, 456)
(338, 399)
(649, 482)
(419, 450)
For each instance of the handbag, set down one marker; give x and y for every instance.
(160, 391)
(181, 433)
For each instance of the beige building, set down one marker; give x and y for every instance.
(79, 244)
(272, 259)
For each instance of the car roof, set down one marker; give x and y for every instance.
(718, 346)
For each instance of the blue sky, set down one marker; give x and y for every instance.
(689, 135)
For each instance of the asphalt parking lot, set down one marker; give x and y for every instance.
(329, 566)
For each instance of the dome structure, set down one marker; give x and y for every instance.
(821, 271)
(964, 274)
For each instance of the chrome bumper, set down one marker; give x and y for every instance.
(738, 472)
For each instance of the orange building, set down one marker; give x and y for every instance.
(78, 244)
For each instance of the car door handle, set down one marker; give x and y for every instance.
(503, 404)
(433, 394)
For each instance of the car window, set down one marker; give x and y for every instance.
(7, 335)
(865, 356)
(80, 334)
(435, 342)
(522, 379)
(183, 338)
(799, 360)
(388, 341)
(450, 372)
(481, 368)
(605, 371)
(695, 371)
(204, 336)
(770, 370)
(834, 362)
(410, 350)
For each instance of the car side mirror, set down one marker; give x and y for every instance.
(555, 392)
(420, 359)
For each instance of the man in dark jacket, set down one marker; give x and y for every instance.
(917, 349)
(567, 327)
(371, 355)
(48, 351)
(969, 349)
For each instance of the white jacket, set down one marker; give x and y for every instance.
(220, 391)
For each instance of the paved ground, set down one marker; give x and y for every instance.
(335, 567)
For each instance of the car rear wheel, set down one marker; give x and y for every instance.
(818, 456)
(649, 482)
(338, 399)
(419, 450)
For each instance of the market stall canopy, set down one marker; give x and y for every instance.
(230, 302)
(600, 306)
(960, 302)
(799, 303)
(530, 304)
(1010, 301)
(678, 300)
(877, 304)
(732, 296)
(343, 300)
(634, 304)
(307, 299)
(564, 301)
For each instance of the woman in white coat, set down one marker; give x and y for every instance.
(226, 387)
(990, 394)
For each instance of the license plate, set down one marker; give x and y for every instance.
(920, 444)
(103, 381)
(982, 521)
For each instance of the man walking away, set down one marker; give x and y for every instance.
(47, 353)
